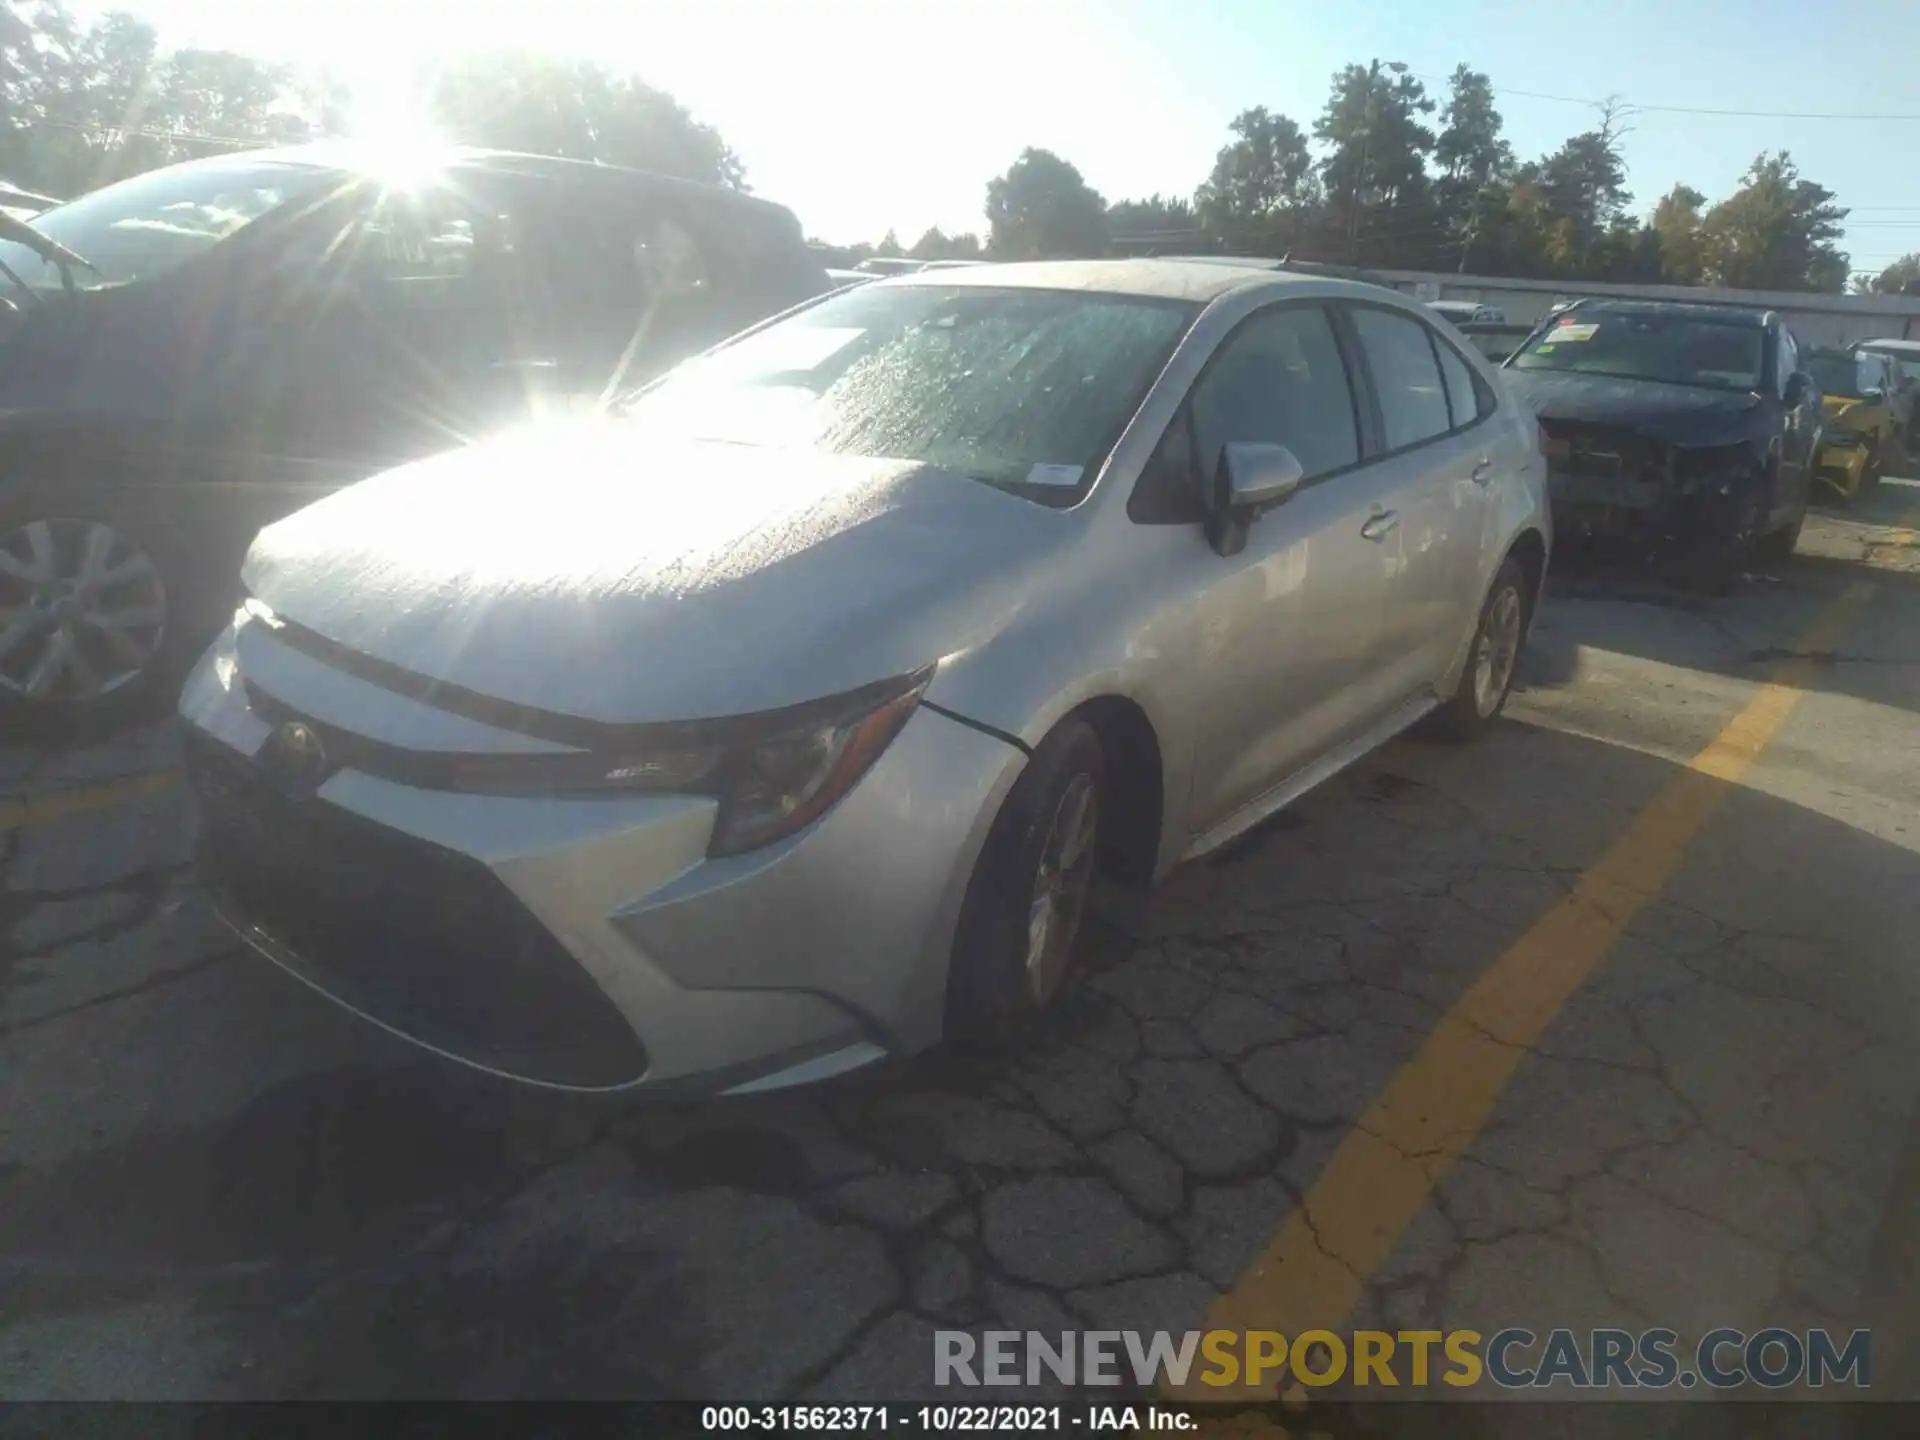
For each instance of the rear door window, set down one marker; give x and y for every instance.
(1464, 398)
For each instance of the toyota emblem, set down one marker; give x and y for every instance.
(294, 759)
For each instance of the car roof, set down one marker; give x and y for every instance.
(1725, 314)
(1904, 346)
(367, 158)
(1200, 279)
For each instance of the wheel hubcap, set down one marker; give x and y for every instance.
(82, 610)
(1060, 886)
(1495, 652)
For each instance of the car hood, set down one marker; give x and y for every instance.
(1679, 414)
(590, 571)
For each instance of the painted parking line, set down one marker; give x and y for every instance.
(1314, 1271)
(43, 809)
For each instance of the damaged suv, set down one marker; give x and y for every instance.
(1691, 428)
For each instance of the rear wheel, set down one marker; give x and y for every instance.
(1491, 660)
(1015, 945)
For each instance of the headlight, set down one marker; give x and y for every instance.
(773, 774)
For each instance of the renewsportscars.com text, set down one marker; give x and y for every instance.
(1513, 1358)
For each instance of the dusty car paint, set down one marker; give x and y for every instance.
(636, 583)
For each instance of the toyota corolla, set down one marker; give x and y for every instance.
(781, 721)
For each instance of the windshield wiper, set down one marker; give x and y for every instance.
(47, 248)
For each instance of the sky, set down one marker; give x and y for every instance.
(869, 115)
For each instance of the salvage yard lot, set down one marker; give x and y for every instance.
(212, 1186)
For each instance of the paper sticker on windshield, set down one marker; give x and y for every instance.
(1571, 333)
(1068, 475)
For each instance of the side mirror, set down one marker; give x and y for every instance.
(1255, 477)
(1799, 386)
(1250, 478)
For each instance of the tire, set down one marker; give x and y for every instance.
(998, 986)
(1492, 658)
(116, 591)
(1776, 547)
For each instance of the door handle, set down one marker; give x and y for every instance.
(1483, 470)
(1379, 526)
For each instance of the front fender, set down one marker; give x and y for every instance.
(1030, 678)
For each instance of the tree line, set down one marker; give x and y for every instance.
(1391, 177)
(1386, 176)
(83, 104)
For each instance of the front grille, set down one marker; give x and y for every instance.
(1600, 468)
(425, 939)
(1603, 452)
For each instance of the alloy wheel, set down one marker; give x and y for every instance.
(1496, 651)
(1060, 885)
(83, 610)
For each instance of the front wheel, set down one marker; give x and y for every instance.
(1491, 659)
(1014, 947)
(97, 616)
(1776, 547)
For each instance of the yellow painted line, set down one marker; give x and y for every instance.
(42, 809)
(1310, 1276)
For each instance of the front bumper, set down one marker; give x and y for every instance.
(1844, 467)
(590, 944)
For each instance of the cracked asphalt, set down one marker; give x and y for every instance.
(213, 1187)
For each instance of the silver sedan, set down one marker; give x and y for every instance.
(781, 722)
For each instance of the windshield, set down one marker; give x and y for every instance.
(149, 224)
(1909, 364)
(1025, 388)
(1836, 375)
(1648, 345)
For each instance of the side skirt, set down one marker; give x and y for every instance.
(1311, 775)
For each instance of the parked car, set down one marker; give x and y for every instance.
(839, 279)
(1905, 355)
(1856, 390)
(1465, 311)
(199, 350)
(1495, 339)
(781, 724)
(1693, 427)
(880, 266)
